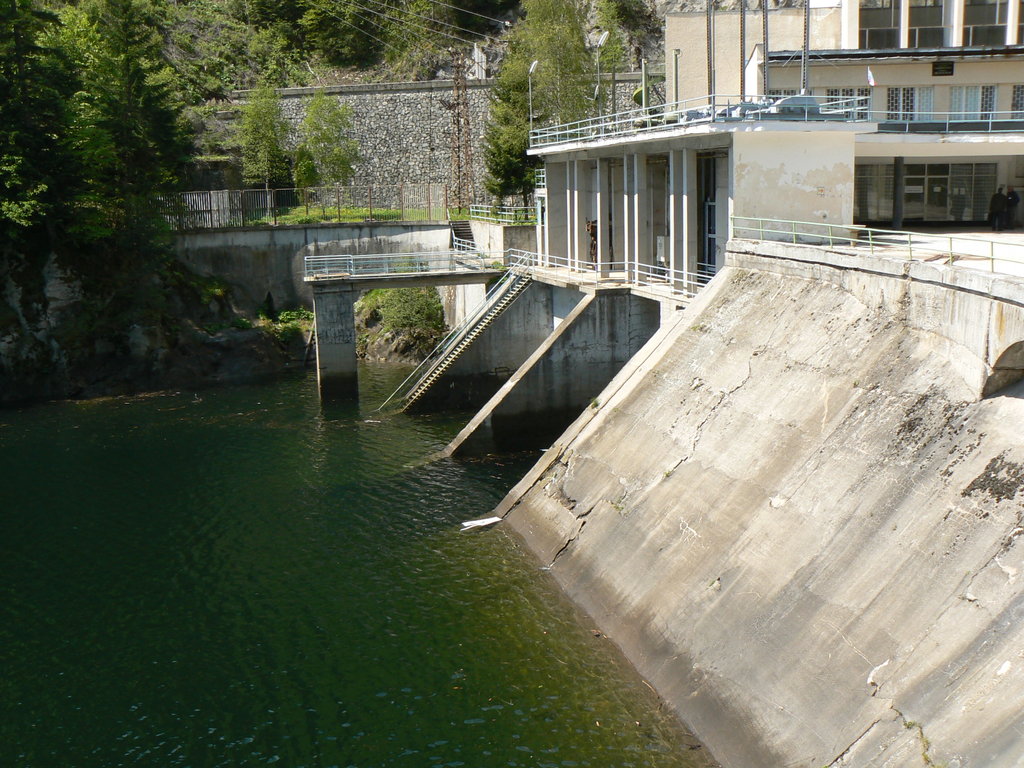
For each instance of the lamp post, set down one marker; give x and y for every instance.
(529, 86)
(600, 41)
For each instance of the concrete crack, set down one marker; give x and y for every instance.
(565, 546)
(842, 755)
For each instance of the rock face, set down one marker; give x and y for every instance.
(797, 516)
(48, 351)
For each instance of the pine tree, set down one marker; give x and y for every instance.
(35, 83)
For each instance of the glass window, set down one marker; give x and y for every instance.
(860, 108)
(1017, 102)
(972, 102)
(910, 103)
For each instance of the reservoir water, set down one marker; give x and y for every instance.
(239, 578)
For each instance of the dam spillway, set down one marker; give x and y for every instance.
(797, 511)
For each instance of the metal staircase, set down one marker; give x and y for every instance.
(498, 299)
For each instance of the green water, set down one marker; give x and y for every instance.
(237, 578)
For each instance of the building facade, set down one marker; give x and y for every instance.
(898, 113)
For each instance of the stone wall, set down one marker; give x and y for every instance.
(404, 130)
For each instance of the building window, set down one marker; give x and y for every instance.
(879, 24)
(863, 108)
(1017, 102)
(910, 103)
(926, 28)
(972, 102)
(985, 22)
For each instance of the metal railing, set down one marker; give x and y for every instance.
(999, 255)
(707, 109)
(503, 214)
(949, 122)
(398, 264)
(452, 338)
(675, 283)
(212, 209)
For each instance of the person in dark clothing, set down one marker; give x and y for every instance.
(1012, 201)
(997, 210)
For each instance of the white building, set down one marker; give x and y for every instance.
(913, 112)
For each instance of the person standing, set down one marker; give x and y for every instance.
(997, 210)
(1012, 201)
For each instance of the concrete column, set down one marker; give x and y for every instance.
(953, 12)
(850, 24)
(626, 257)
(898, 187)
(570, 216)
(602, 212)
(335, 339)
(678, 192)
(1012, 22)
(643, 248)
(557, 229)
(904, 23)
(582, 208)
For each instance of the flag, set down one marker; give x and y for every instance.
(871, 78)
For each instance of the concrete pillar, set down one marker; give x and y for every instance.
(602, 212)
(904, 24)
(557, 229)
(626, 257)
(678, 203)
(642, 246)
(898, 187)
(850, 25)
(335, 339)
(1012, 23)
(566, 256)
(953, 12)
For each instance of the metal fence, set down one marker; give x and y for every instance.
(397, 264)
(707, 109)
(995, 255)
(254, 207)
(504, 214)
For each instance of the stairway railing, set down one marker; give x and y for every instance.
(515, 276)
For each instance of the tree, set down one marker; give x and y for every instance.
(509, 169)
(125, 130)
(262, 136)
(35, 84)
(324, 144)
(553, 33)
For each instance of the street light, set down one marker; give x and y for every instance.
(529, 86)
(600, 41)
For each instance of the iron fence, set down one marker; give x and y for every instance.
(254, 207)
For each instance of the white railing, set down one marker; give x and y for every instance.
(948, 122)
(397, 264)
(504, 214)
(675, 283)
(706, 109)
(996, 255)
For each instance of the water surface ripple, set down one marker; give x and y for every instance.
(237, 578)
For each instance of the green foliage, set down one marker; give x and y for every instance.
(506, 138)
(404, 309)
(326, 153)
(554, 34)
(261, 135)
(35, 83)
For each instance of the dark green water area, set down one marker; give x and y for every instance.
(240, 578)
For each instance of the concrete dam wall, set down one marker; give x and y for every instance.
(798, 511)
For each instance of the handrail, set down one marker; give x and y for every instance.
(504, 214)
(347, 265)
(452, 337)
(914, 246)
(717, 108)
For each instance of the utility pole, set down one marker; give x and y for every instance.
(462, 147)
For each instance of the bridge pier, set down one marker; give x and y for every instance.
(333, 307)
